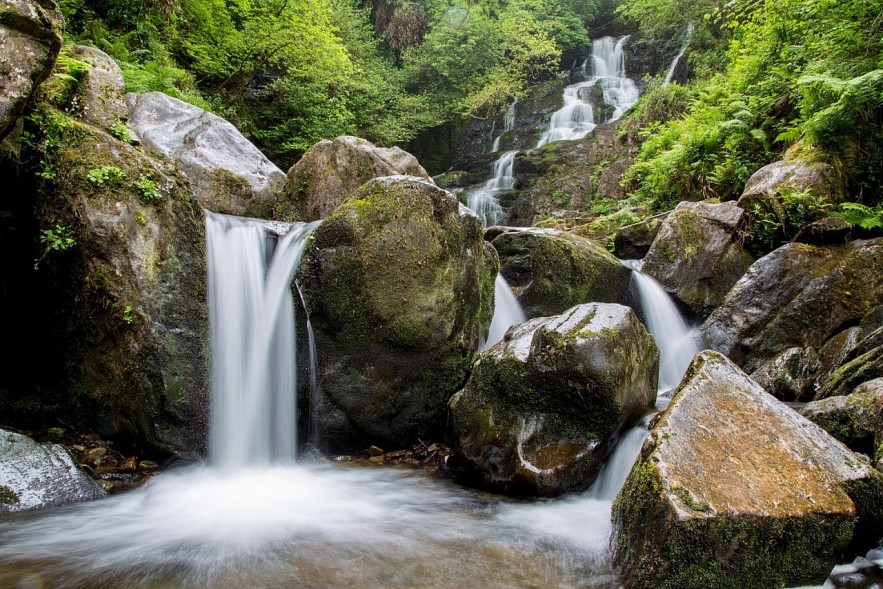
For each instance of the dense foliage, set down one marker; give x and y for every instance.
(801, 75)
(290, 72)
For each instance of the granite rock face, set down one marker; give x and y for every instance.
(735, 489)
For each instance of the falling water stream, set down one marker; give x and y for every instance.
(254, 518)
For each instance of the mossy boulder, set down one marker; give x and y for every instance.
(226, 172)
(400, 290)
(537, 414)
(735, 489)
(790, 375)
(100, 90)
(783, 197)
(36, 475)
(697, 255)
(30, 39)
(123, 301)
(798, 296)
(836, 351)
(331, 171)
(855, 419)
(550, 270)
(864, 367)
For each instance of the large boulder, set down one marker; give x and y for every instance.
(121, 283)
(783, 197)
(331, 171)
(735, 489)
(797, 296)
(550, 270)
(789, 375)
(30, 39)
(100, 90)
(867, 366)
(227, 174)
(400, 290)
(36, 475)
(538, 411)
(855, 419)
(697, 255)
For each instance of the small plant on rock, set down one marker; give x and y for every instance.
(57, 239)
(105, 176)
(148, 191)
(120, 130)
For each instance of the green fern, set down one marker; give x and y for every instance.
(857, 214)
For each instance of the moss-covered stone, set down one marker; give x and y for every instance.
(798, 296)
(550, 271)
(697, 254)
(865, 367)
(735, 489)
(399, 285)
(854, 419)
(124, 304)
(538, 411)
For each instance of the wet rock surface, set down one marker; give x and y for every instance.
(550, 270)
(36, 475)
(538, 411)
(855, 419)
(400, 289)
(798, 296)
(697, 254)
(733, 488)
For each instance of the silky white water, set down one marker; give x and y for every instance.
(688, 36)
(252, 338)
(483, 200)
(508, 125)
(676, 340)
(507, 312)
(576, 118)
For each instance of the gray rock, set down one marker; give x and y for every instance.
(632, 242)
(400, 289)
(227, 174)
(30, 39)
(735, 489)
(331, 171)
(698, 255)
(538, 411)
(126, 308)
(797, 296)
(550, 270)
(855, 419)
(835, 352)
(36, 475)
(790, 375)
(101, 91)
(867, 366)
(830, 230)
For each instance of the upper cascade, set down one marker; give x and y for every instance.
(576, 118)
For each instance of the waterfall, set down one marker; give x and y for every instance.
(688, 36)
(508, 125)
(316, 398)
(576, 118)
(507, 312)
(252, 339)
(483, 200)
(676, 341)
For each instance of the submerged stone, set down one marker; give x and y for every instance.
(735, 489)
(550, 270)
(539, 409)
(400, 290)
(36, 475)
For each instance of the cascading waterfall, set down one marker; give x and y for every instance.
(507, 312)
(252, 337)
(676, 341)
(688, 36)
(483, 200)
(508, 125)
(576, 118)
